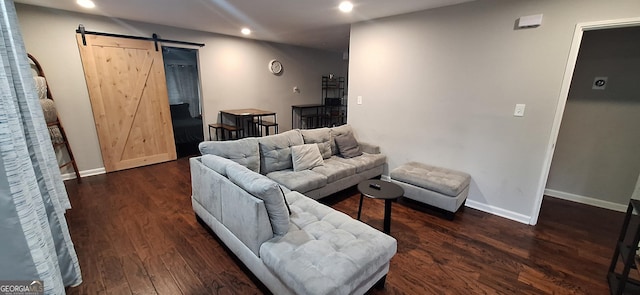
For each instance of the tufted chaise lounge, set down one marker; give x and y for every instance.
(313, 250)
(326, 251)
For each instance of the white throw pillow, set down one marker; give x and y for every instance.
(306, 156)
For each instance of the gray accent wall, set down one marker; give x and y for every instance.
(440, 87)
(233, 71)
(596, 153)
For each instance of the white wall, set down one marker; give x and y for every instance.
(440, 87)
(596, 155)
(233, 70)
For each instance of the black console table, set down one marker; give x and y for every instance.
(307, 116)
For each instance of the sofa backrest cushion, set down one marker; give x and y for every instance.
(321, 137)
(217, 163)
(265, 189)
(243, 151)
(275, 150)
(337, 131)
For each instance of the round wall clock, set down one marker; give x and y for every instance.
(275, 67)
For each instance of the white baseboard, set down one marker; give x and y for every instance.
(586, 200)
(499, 211)
(84, 173)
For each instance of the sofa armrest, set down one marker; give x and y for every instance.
(369, 148)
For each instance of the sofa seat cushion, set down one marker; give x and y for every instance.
(445, 181)
(335, 170)
(363, 162)
(325, 251)
(302, 181)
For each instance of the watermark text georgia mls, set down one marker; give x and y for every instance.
(21, 287)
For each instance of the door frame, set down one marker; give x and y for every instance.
(564, 95)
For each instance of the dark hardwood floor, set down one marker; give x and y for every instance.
(135, 233)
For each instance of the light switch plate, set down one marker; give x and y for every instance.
(359, 99)
(519, 111)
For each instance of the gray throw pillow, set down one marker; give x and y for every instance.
(306, 156)
(337, 131)
(348, 146)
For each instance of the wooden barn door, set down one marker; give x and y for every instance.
(128, 94)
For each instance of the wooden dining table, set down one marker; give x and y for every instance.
(242, 116)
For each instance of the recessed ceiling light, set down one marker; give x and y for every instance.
(345, 6)
(245, 31)
(86, 3)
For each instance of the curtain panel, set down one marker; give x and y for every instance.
(36, 244)
(182, 85)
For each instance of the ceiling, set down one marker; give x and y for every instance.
(310, 23)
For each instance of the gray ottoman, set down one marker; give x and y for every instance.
(436, 186)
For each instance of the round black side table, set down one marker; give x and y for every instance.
(378, 189)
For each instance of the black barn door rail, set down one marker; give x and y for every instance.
(153, 38)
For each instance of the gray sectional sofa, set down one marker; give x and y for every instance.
(271, 156)
(249, 193)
